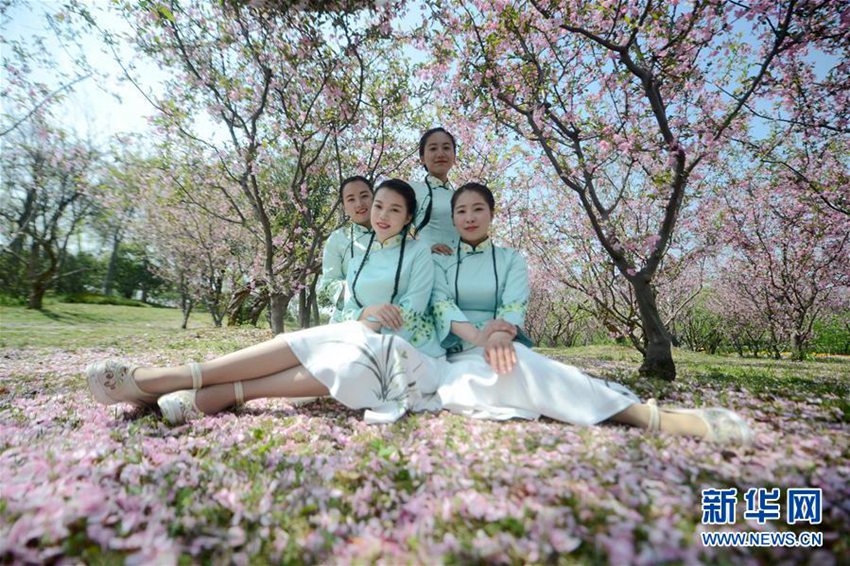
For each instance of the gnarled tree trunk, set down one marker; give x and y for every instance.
(658, 356)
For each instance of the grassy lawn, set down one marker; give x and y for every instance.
(85, 325)
(314, 484)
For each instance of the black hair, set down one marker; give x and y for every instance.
(352, 179)
(422, 142)
(482, 190)
(424, 139)
(487, 195)
(406, 191)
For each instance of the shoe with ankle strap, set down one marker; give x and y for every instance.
(181, 407)
(111, 381)
(725, 427)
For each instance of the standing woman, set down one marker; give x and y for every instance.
(364, 363)
(346, 242)
(484, 288)
(437, 153)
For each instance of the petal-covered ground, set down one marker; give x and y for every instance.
(278, 483)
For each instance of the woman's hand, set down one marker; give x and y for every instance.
(500, 353)
(441, 249)
(498, 325)
(388, 315)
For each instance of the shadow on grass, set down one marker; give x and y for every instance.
(70, 318)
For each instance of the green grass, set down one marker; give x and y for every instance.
(72, 325)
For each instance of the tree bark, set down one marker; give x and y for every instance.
(109, 280)
(314, 308)
(40, 280)
(658, 357)
(186, 304)
(277, 311)
(234, 306)
(303, 308)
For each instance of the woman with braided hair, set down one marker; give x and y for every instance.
(433, 224)
(346, 242)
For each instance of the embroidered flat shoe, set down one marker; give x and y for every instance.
(179, 407)
(111, 381)
(725, 427)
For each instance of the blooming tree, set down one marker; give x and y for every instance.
(788, 258)
(47, 175)
(625, 101)
(280, 88)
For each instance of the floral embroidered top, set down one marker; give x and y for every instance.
(478, 284)
(436, 227)
(416, 280)
(340, 248)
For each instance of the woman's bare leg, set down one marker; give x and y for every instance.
(266, 358)
(293, 382)
(672, 423)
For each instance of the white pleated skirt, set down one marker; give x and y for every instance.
(363, 369)
(536, 386)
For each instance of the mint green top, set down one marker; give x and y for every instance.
(439, 229)
(465, 289)
(416, 281)
(340, 248)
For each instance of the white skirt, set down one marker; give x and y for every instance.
(363, 369)
(536, 386)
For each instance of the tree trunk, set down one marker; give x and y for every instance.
(313, 300)
(234, 306)
(256, 308)
(39, 281)
(186, 304)
(277, 311)
(798, 350)
(109, 280)
(314, 308)
(303, 308)
(36, 297)
(658, 357)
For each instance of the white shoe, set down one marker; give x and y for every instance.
(179, 407)
(111, 381)
(725, 427)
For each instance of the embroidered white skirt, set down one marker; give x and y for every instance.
(536, 386)
(363, 369)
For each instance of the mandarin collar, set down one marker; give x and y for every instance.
(391, 242)
(438, 184)
(359, 229)
(467, 249)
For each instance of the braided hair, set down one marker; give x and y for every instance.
(406, 192)
(422, 143)
(345, 182)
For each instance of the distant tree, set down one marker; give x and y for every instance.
(787, 258)
(136, 273)
(47, 176)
